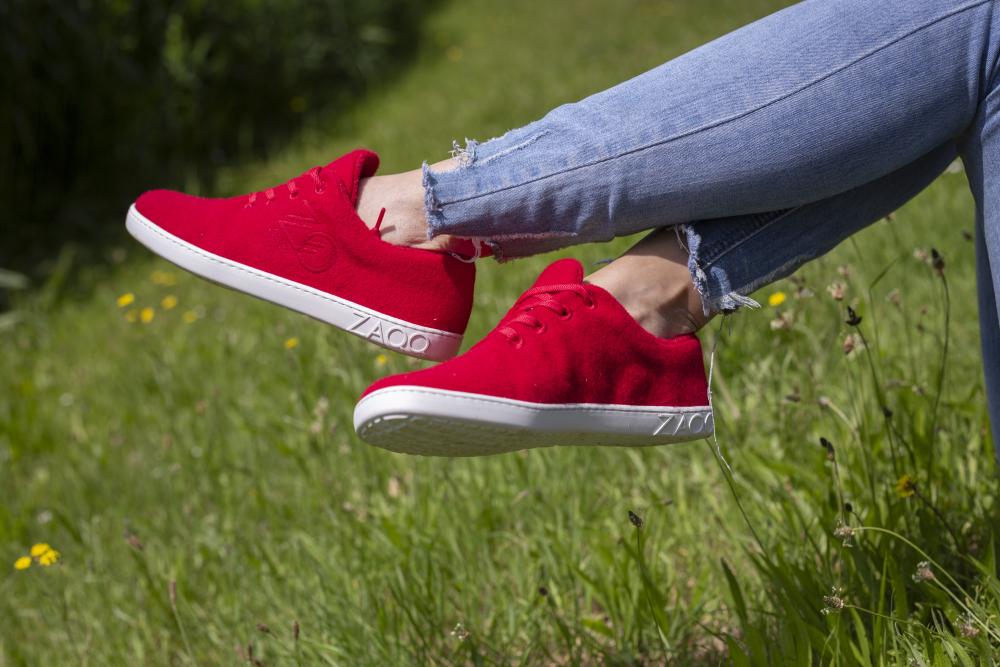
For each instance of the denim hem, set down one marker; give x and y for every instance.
(447, 211)
(432, 205)
(434, 209)
(717, 294)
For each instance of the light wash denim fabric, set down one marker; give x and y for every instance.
(769, 145)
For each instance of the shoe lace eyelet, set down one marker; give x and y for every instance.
(541, 328)
(516, 341)
(294, 195)
(565, 314)
(591, 304)
(320, 191)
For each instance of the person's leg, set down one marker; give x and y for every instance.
(670, 294)
(606, 380)
(981, 155)
(782, 139)
(399, 201)
(805, 104)
(988, 257)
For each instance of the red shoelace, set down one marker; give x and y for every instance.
(542, 296)
(293, 188)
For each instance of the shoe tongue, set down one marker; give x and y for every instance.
(561, 272)
(351, 168)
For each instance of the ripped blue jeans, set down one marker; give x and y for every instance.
(769, 146)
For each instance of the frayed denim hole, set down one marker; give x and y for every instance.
(464, 155)
(503, 152)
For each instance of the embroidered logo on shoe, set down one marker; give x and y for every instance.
(314, 249)
(388, 334)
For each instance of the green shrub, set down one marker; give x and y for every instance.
(105, 97)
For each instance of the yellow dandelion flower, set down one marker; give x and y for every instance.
(48, 558)
(125, 299)
(39, 549)
(905, 486)
(22, 563)
(189, 317)
(291, 343)
(381, 360)
(131, 316)
(776, 299)
(169, 302)
(146, 315)
(163, 278)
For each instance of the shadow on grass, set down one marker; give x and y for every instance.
(115, 100)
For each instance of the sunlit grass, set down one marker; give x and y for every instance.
(189, 451)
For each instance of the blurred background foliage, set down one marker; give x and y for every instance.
(104, 98)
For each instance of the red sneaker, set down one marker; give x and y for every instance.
(566, 366)
(302, 245)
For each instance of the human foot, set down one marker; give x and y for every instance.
(567, 365)
(653, 283)
(303, 246)
(397, 202)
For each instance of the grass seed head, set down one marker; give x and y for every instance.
(844, 533)
(635, 519)
(966, 627)
(834, 601)
(937, 262)
(851, 343)
(459, 632)
(828, 446)
(782, 321)
(853, 319)
(836, 290)
(133, 541)
(923, 572)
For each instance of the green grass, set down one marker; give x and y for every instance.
(207, 458)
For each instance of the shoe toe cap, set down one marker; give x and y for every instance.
(182, 215)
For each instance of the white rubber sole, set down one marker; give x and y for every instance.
(373, 326)
(438, 422)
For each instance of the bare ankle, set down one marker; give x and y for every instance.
(401, 197)
(653, 283)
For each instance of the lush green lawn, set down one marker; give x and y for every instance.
(199, 475)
